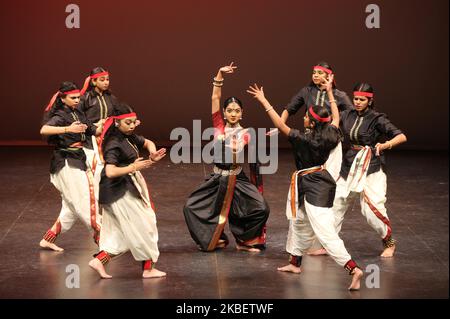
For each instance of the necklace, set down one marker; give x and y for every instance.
(134, 147)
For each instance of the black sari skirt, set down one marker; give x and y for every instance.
(221, 198)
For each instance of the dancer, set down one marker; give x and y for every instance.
(312, 187)
(97, 103)
(67, 129)
(315, 94)
(227, 194)
(363, 164)
(129, 220)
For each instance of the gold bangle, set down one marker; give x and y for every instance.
(331, 101)
(215, 80)
(217, 84)
(269, 109)
(65, 129)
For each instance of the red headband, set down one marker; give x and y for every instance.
(97, 75)
(358, 93)
(317, 117)
(109, 121)
(55, 96)
(318, 67)
(90, 77)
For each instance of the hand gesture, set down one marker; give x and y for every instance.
(158, 155)
(258, 93)
(328, 83)
(140, 163)
(380, 147)
(77, 127)
(228, 69)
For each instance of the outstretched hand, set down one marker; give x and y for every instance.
(258, 93)
(228, 69)
(158, 155)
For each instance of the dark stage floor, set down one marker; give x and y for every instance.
(417, 205)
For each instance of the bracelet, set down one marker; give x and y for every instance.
(331, 101)
(134, 168)
(269, 109)
(65, 129)
(217, 84)
(215, 80)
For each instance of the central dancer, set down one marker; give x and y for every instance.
(228, 194)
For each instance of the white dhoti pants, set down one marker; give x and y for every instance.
(333, 166)
(372, 200)
(78, 200)
(93, 161)
(130, 225)
(316, 223)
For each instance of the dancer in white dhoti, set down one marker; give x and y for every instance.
(129, 220)
(312, 187)
(367, 134)
(67, 129)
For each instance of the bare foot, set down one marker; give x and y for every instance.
(48, 245)
(246, 248)
(356, 279)
(318, 252)
(388, 252)
(153, 273)
(290, 268)
(98, 266)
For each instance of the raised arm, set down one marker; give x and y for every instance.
(258, 93)
(334, 107)
(217, 87)
(284, 116)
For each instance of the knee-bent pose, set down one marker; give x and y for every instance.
(362, 166)
(129, 220)
(312, 187)
(228, 194)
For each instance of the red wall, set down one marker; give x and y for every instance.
(162, 56)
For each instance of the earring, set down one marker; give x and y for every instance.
(116, 124)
